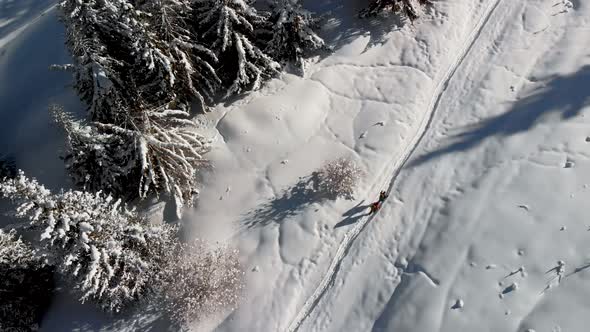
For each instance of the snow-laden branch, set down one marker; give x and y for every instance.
(108, 251)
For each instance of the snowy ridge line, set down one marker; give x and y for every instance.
(350, 236)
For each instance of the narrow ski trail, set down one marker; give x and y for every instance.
(397, 165)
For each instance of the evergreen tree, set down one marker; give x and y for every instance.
(115, 62)
(407, 8)
(108, 251)
(137, 66)
(154, 150)
(293, 36)
(231, 27)
(26, 284)
(192, 64)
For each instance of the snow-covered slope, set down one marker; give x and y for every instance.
(473, 117)
(493, 196)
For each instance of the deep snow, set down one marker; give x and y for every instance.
(476, 113)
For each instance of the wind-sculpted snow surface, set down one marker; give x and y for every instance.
(489, 211)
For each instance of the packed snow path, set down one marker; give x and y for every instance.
(397, 166)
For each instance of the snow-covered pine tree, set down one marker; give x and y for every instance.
(154, 150)
(192, 64)
(407, 8)
(109, 252)
(26, 284)
(115, 61)
(293, 36)
(231, 27)
(98, 160)
(138, 75)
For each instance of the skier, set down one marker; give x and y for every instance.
(377, 205)
(383, 196)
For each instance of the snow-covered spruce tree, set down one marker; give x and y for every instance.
(231, 28)
(293, 36)
(109, 252)
(338, 178)
(152, 151)
(407, 8)
(192, 64)
(116, 61)
(13, 251)
(198, 281)
(26, 284)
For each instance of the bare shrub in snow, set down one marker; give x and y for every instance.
(293, 35)
(407, 8)
(153, 151)
(231, 27)
(108, 252)
(338, 178)
(198, 281)
(26, 284)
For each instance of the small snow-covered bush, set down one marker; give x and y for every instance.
(107, 251)
(26, 284)
(406, 8)
(199, 280)
(338, 178)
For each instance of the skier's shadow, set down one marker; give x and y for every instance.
(354, 214)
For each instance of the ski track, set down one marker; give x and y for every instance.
(6, 40)
(348, 239)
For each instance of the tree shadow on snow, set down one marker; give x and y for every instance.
(290, 202)
(294, 200)
(565, 95)
(87, 317)
(342, 24)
